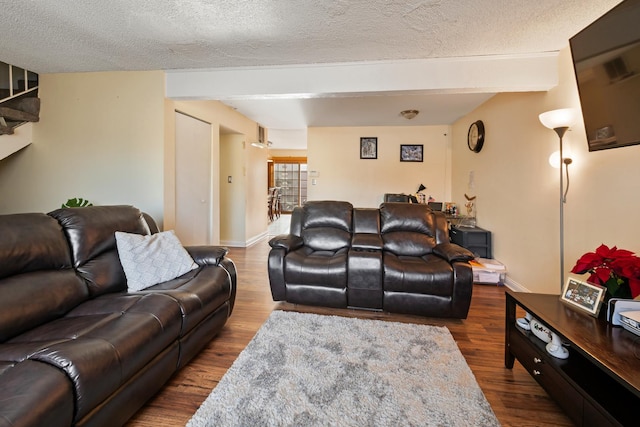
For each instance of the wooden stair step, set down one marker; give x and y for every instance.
(6, 130)
(18, 115)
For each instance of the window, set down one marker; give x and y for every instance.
(290, 176)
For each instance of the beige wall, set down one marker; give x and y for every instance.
(249, 172)
(334, 153)
(110, 138)
(100, 137)
(256, 217)
(232, 226)
(518, 192)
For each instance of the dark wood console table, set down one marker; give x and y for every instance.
(599, 384)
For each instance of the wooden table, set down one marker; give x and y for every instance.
(599, 384)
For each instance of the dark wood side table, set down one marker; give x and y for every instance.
(599, 384)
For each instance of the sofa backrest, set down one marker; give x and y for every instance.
(366, 220)
(90, 232)
(37, 281)
(409, 229)
(326, 225)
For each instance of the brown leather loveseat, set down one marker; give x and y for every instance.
(397, 258)
(76, 348)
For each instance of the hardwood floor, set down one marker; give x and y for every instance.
(515, 397)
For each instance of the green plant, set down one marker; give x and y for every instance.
(77, 202)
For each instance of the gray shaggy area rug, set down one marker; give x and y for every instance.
(314, 370)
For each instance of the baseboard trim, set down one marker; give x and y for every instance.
(514, 286)
(239, 244)
(233, 244)
(256, 239)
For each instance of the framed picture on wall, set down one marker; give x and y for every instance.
(368, 148)
(411, 153)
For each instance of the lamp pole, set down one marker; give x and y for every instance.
(560, 121)
(561, 131)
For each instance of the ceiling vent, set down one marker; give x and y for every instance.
(261, 142)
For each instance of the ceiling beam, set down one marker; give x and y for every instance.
(478, 74)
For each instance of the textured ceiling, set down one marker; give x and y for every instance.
(97, 35)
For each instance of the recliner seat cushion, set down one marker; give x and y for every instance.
(102, 343)
(44, 392)
(198, 292)
(322, 268)
(419, 275)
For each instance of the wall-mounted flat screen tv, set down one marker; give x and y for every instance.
(606, 59)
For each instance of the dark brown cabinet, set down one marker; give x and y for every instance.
(476, 239)
(599, 384)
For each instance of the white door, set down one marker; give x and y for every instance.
(193, 180)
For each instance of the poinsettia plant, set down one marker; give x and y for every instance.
(616, 269)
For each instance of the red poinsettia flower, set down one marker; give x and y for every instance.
(628, 267)
(600, 275)
(611, 263)
(634, 285)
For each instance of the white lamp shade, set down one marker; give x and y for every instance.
(564, 117)
(554, 158)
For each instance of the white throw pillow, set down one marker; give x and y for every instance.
(152, 259)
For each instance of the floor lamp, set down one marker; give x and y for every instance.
(560, 121)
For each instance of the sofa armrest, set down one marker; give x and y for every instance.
(462, 289)
(207, 255)
(151, 223)
(366, 242)
(288, 242)
(453, 252)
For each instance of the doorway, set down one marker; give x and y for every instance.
(289, 175)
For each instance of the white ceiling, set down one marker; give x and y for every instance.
(290, 38)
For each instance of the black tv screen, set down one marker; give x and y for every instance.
(606, 59)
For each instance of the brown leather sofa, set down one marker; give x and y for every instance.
(397, 258)
(75, 347)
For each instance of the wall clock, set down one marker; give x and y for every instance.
(475, 137)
